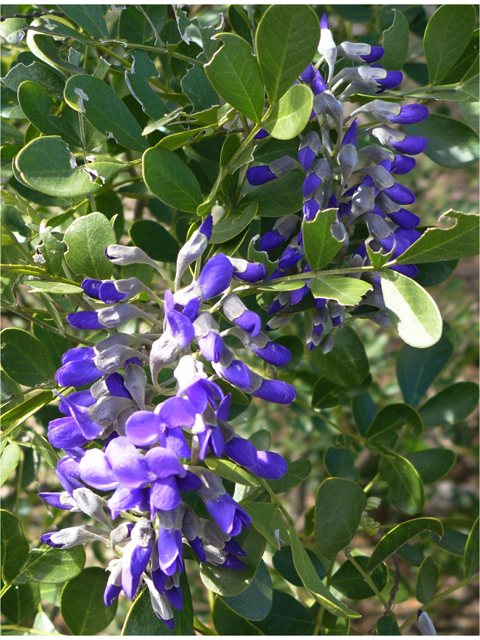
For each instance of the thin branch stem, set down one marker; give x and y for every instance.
(370, 583)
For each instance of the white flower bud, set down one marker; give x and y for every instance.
(91, 504)
(425, 624)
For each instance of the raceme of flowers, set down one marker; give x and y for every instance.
(148, 458)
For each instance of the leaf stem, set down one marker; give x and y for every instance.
(370, 583)
(275, 500)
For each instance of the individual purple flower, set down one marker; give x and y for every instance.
(282, 230)
(308, 150)
(78, 368)
(410, 114)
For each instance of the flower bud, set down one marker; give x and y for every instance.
(236, 312)
(308, 149)
(425, 624)
(282, 229)
(360, 52)
(327, 47)
(193, 248)
(124, 256)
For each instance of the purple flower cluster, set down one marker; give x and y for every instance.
(151, 458)
(359, 181)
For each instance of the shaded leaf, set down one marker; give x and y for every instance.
(155, 240)
(255, 602)
(346, 364)
(406, 486)
(470, 565)
(427, 579)
(320, 245)
(14, 546)
(24, 358)
(51, 566)
(86, 239)
(349, 581)
(395, 42)
(389, 420)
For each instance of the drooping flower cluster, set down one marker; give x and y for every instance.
(358, 180)
(151, 458)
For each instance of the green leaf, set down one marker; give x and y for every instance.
(198, 89)
(406, 486)
(387, 626)
(171, 180)
(86, 239)
(418, 368)
(326, 394)
(470, 564)
(24, 358)
(228, 623)
(231, 582)
(268, 520)
(451, 143)
(451, 405)
(233, 225)
(52, 566)
(231, 471)
(234, 74)
(142, 621)
(279, 197)
(155, 240)
(309, 576)
(452, 243)
(286, 42)
(446, 37)
(60, 288)
(340, 462)
(364, 411)
(51, 249)
(133, 25)
(47, 165)
(20, 603)
(399, 535)
(38, 72)
(432, 464)
(82, 604)
(333, 626)
(18, 414)
(356, 13)
(338, 508)
(453, 542)
(350, 582)
(459, 70)
(320, 244)
(296, 473)
(38, 106)
(255, 602)
(137, 80)
(395, 42)
(291, 114)
(49, 51)
(287, 617)
(432, 273)
(45, 450)
(346, 364)
(104, 110)
(412, 310)
(13, 30)
(88, 16)
(347, 291)
(283, 562)
(9, 461)
(389, 420)
(14, 544)
(427, 579)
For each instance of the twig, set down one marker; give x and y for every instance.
(396, 582)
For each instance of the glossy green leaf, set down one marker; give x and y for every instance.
(320, 245)
(142, 621)
(283, 562)
(470, 564)
(446, 37)
(451, 405)
(346, 291)
(231, 226)
(18, 414)
(255, 602)
(47, 165)
(406, 486)
(338, 508)
(287, 617)
(231, 471)
(310, 578)
(389, 420)
(395, 42)
(20, 602)
(427, 579)
(448, 243)
(60, 288)
(340, 462)
(234, 74)
(14, 546)
(155, 240)
(88, 16)
(104, 110)
(39, 73)
(278, 197)
(387, 626)
(350, 582)
(86, 239)
(38, 106)
(268, 520)
(82, 605)
(171, 180)
(137, 80)
(412, 310)
(418, 368)
(291, 114)
(134, 26)
(9, 461)
(229, 623)
(346, 364)
(52, 566)
(432, 464)
(24, 358)
(286, 41)
(451, 143)
(199, 90)
(399, 535)
(230, 582)
(296, 473)
(45, 450)
(433, 273)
